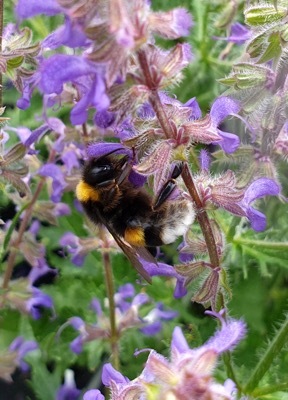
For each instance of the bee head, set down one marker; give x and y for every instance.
(103, 170)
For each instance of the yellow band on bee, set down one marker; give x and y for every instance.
(135, 236)
(85, 192)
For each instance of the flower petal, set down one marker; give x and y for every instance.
(222, 107)
(227, 337)
(95, 150)
(179, 342)
(27, 9)
(260, 188)
(93, 394)
(61, 68)
(110, 374)
(229, 143)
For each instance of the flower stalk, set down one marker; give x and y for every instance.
(22, 229)
(202, 217)
(108, 274)
(186, 174)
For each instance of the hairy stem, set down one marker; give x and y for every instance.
(259, 243)
(202, 215)
(229, 367)
(262, 391)
(108, 273)
(23, 226)
(272, 351)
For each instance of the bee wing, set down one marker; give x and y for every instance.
(131, 254)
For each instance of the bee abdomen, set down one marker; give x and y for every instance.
(180, 215)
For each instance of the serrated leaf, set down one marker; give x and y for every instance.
(264, 257)
(45, 383)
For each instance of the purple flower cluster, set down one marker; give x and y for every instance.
(127, 316)
(188, 373)
(14, 357)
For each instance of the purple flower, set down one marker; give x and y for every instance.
(188, 372)
(69, 34)
(154, 317)
(95, 150)
(111, 374)
(206, 130)
(221, 108)
(239, 34)
(70, 160)
(187, 368)
(68, 390)
(127, 317)
(36, 135)
(257, 189)
(29, 84)
(84, 336)
(93, 394)
(162, 269)
(171, 24)
(231, 332)
(124, 292)
(87, 78)
(104, 119)
(79, 248)
(31, 8)
(37, 301)
(58, 181)
(195, 109)
(205, 160)
(41, 269)
(21, 348)
(121, 387)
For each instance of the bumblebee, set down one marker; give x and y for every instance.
(135, 219)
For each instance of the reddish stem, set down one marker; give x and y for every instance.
(202, 215)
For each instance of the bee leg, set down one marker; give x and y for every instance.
(169, 186)
(126, 169)
(177, 170)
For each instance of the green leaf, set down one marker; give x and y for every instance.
(45, 383)
(256, 45)
(263, 14)
(273, 50)
(10, 232)
(15, 62)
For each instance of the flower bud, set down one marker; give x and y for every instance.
(263, 14)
